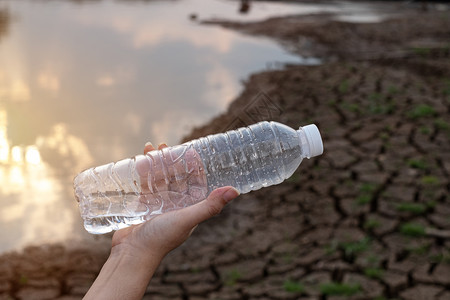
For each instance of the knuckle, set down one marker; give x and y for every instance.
(214, 210)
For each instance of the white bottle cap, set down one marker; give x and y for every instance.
(314, 140)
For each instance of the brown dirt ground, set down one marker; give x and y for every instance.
(370, 219)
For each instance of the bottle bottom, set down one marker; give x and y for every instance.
(105, 224)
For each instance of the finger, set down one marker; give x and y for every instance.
(174, 158)
(174, 167)
(157, 179)
(209, 207)
(162, 146)
(148, 147)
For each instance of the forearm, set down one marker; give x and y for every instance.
(124, 276)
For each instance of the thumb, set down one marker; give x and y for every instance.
(212, 205)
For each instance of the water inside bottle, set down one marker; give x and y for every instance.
(131, 191)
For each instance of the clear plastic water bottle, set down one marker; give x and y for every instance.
(131, 191)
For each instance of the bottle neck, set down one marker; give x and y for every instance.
(306, 151)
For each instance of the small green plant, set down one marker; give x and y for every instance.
(343, 86)
(288, 258)
(332, 247)
(431, 204)
(353, 107)
(417, 164)
(373, 260)
(430, 192)
(421, 51)
(375, 97)
(378, 105)
(232, 277)
(419, 250)
(421, 111)
(382, 108)
(353, 248)
(384, 136)
(425, 130)
(368, 188)
(375, 273)
(430, 180)
(442, 125)
(392, 90)
(363, 199)
(440, 258)
(23, 279)
(366, 191)
(293, 286)
(371, 224)
(339, 289)
(415, 208)
(412, 229)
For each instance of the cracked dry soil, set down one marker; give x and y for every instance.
(370, 219)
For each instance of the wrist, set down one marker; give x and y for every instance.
(125, 275)
(145, 259)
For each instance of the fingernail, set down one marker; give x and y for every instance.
(148, 144)
(230, 194)
(192, 230)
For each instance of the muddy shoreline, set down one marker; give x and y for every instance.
(370, 218)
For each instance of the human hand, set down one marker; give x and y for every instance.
(137, 250)
(162, 233)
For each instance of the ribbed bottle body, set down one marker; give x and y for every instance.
(130, 191)
(250, 158)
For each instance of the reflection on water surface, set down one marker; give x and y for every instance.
(85, 83)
